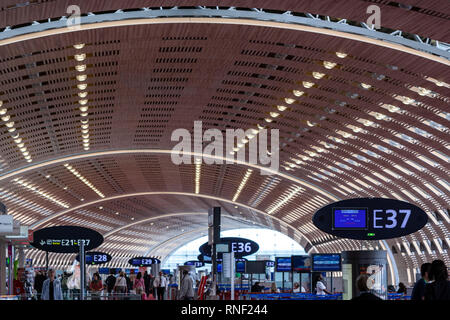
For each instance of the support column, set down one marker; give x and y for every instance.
(11, 255)
(2, 267)
(21, 256)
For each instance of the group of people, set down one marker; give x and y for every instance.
(51, 287)
(434, 284)
(152, 287)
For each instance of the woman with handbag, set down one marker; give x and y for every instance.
(139, 285)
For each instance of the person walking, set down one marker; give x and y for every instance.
(51, 288)
(129, 283)
(186, 287)
(418, 292)
(439, 289)
(120, 286)
(96, 286)
(160, 283)
(146, 283)
(139, 284)
(38, 282)
(64, 286)
(364, 292)
(110, 282)
(321, 289)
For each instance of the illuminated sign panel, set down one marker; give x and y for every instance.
(370, 218)
(240, 246)
(95, 258)
(143, 261)
(66, 239)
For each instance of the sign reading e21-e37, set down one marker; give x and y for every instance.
(370, 218)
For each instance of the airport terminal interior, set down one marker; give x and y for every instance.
(224, 150)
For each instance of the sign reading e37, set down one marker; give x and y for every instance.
(370, 218)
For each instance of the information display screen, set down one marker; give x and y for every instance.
(96, 258)
(103, 270)
(326, 262)
(283, 264)
(301, 263)
(240, 266)
(255, 267)
(349, 218)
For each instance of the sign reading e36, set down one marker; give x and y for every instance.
(370, 218)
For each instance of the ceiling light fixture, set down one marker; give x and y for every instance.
(329, 64)
(307, 84)
(341, 55)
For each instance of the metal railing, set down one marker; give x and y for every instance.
(88, 296)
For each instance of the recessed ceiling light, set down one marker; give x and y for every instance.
(82, 94)
(84, 109)
(80, 67)
(329, 64)
(289, 100)
(365, 85)
(10, 124)
(341, 54)
(318, 75)
(281, 108)
(82, 86)
(307, 84)
(117, 213)
(268, 120)
(80, 57)
(81, 77)
(79, 46)
(298, 93)
(3, 111)
(274, 114)
(83, 101)
(6, 118)
(11, 129)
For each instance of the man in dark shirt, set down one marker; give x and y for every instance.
(256, 287)
(418, 292)
(51, 291)
(110, 282)
(365, 294)
(439, 289)
(38, 282)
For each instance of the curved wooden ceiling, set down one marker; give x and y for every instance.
(373, 123)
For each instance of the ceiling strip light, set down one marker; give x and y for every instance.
(242, 184)
(31, 187)
(86, 181)
(10, 125)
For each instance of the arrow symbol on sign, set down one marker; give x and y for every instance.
(42, 242)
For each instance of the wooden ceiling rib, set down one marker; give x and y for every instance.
(424, 18)
(146, 81)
